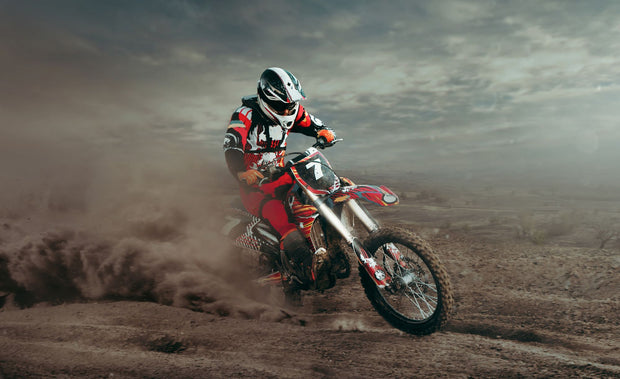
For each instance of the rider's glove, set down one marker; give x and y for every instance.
(250, 176)
(329, 135)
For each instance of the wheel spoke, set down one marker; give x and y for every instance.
(413, 296)
(424, 297)
(430, 286)
(419, 296)
(416, 303)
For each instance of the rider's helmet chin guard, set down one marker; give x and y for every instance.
(279, 93)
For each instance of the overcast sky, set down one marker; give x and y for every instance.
(461, 87)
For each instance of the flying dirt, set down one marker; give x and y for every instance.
(123, 273)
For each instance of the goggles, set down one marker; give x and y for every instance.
(281, 108)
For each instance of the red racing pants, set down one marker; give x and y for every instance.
(262, 202)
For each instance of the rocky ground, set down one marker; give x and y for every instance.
(535, 295)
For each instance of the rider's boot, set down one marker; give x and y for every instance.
(297, 257)
(307, 268)
(323, 278)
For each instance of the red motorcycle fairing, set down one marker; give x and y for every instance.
(376, 194)
(315, 173)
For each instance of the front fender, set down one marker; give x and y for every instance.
(377, 194)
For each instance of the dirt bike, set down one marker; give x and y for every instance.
(401, 275)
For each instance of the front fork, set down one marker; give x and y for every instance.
(371, 226)
(376, 272)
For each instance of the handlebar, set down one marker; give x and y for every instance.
(322, 143)
(273, 171)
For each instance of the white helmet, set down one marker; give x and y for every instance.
(279, 93)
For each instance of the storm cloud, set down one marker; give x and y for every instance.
(487, 88)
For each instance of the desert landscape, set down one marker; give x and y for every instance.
(496, 123)
(536, 273)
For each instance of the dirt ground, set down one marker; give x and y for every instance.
(535, 295)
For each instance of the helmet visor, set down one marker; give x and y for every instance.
(281, 108)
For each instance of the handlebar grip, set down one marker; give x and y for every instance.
(322, 143)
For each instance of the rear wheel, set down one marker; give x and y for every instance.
(418, 299)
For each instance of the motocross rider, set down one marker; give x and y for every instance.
(256, 138)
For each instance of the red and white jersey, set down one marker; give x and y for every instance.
(254, 141)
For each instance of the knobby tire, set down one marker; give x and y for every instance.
(418, 250)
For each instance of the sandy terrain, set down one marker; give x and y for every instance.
(535, 297)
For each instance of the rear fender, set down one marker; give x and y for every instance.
(377, 194)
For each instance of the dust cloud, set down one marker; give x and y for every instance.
(136, 217)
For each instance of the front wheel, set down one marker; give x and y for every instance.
(418, 299)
